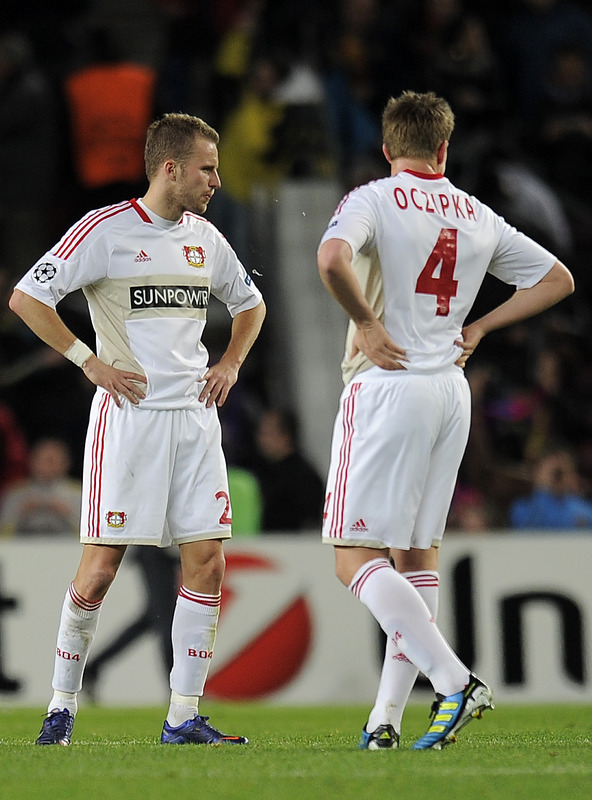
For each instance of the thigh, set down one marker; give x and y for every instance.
(382, 445)
(127, 465)
(199, 501)
(445, 460)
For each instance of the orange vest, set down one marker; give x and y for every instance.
(111, 106)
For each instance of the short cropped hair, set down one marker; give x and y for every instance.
(173, 136)
(414, 125)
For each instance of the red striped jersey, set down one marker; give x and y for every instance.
(148, 283)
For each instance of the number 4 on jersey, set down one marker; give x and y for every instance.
(441, 283)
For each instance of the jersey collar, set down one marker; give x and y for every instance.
(428, 176)
(149, 216)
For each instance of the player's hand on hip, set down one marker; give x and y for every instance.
(471, 336)
(219, 380)
(119, 384)
(377, 345)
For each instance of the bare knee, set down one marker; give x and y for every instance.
(414, 559)
(203, 566)
(348, 561)
(97, 570)
(343, 572)
(94, 586)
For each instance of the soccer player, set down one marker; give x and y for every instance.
(405, 257)
(154, 470)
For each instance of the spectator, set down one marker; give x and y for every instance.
(469, 512)
(248, 156)
(235, 48)
(565, 121)
(466, 67)
(466, 63)
(355, 65)
(13, 450)
(111, 102)
(28, 141)
(291, 488)
(48, 502)
(557, 500)
(531, 32)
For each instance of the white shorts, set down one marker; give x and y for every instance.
(153, 477)
(398, 442)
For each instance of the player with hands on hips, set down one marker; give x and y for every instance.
(154, 472)
(405, 256)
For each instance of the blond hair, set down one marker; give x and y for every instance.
(414, 125)
(173, 136)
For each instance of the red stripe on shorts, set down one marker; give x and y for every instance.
(96, 469)
(349, 407)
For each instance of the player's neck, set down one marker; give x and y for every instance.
(421, 165)
(161, 204)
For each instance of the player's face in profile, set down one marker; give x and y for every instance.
(199, 177)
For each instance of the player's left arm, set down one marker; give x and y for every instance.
(335, 268)
(557, 284)
(221, 377)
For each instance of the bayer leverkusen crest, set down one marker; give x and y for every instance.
(196, 256)
(116, 519)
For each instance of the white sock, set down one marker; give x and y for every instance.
(404, 616)
(398, 673)
(181, 708)
(193, 633)
(62, 700)
(78, 625)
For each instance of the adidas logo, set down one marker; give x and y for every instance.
(142, 256)
(359, 526)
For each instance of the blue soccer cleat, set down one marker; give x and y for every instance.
(197, 731)
(384, 737)
(56, 728)
(450, 714)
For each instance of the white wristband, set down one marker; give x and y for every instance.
(78, 353)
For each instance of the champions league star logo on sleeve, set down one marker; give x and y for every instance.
(43, 273)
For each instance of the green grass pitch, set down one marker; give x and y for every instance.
(299, 754)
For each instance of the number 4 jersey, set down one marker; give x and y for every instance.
(421, 248)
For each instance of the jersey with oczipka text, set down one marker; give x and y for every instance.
(421, 248)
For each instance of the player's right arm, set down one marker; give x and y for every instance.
(335, 268)
(46, 323)
(556, 285)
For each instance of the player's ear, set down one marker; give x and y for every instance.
(170, 169)
(387, 155)
(442, 156)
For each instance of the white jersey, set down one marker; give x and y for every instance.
(148, 282)
(421, 249)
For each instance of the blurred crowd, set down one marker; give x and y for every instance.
(296, 90)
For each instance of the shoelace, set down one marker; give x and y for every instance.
(203, 723)
(59, 724)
